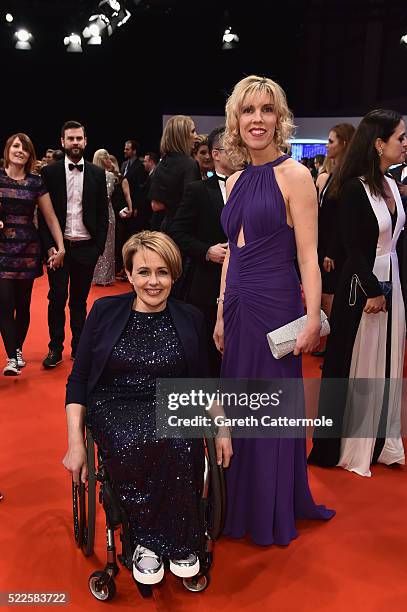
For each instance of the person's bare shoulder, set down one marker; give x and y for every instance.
(322, 180)
(231, 181)
(293, 169)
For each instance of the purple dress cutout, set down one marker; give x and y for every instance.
(267, 481)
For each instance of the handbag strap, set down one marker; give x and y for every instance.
(354, 284)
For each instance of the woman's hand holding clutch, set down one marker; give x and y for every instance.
(75, 461)
(308, 339)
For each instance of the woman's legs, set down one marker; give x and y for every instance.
(8, 329)
(326, 303)
(15, 300)
(23, 291)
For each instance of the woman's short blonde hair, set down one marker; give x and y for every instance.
(158, 242)
(176, 136)
(99, 156)
(246, 88)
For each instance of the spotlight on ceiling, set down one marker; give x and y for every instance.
(95, 28)
(23, 39)
(9, 18)
(73, 43)
(403, 40)
(109, 15)
(229, 39)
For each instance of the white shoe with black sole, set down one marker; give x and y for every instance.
(11, 368)
(148, 567)
(185, 568)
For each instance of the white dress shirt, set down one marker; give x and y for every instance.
(74, 227)
(222, 185)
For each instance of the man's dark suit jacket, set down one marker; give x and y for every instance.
(94, 202)
(136, 177)
(103, 328)
(195, 227)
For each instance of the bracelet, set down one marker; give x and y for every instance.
(219, 299)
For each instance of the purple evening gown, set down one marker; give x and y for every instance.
(267, 482)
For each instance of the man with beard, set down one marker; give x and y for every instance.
(78, 192)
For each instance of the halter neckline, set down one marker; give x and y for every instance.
(276, 162)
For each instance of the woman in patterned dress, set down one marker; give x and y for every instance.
(20, 252)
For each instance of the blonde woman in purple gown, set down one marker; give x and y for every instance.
(270, 218)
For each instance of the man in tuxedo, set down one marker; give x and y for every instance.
(197, 230)
(78, 192)
(145, 212)
(130, 155)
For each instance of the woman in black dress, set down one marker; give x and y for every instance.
(330, 250)
(176, 169)
(20, 251)
(363, 369)
(128, 341)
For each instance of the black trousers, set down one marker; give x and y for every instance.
(15, 300)
(76, 277)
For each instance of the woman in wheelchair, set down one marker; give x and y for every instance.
(128, 341)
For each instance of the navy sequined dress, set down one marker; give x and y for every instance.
(158, 481)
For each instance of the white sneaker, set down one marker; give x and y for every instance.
(11, 368)
(185, 568)
(20, 359)
(148, 567)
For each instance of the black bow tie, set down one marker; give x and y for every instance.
(222, 178)
(77, 166)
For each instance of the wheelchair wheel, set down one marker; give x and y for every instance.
(84, 504)
(104, 592)
(197, 584)
(217, 492)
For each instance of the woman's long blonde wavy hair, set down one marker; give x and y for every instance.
(246, 88)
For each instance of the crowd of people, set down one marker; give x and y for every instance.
(223, 238)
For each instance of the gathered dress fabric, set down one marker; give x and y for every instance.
(158, 481)
(267, 483)
(366, 351)
(104, 273)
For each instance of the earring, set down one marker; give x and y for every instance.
(380, 152)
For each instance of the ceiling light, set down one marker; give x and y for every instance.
(94, 30)
(403, 39)
(9, 18)
(23, 39)
(73, 43)
(229, 39)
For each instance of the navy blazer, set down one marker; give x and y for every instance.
(104, 326)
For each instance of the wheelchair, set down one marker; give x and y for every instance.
(211, 512)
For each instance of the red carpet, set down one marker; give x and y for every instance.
(356, 561)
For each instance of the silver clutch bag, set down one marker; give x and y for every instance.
(282, 340)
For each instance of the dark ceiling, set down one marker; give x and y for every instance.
(333, 57)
